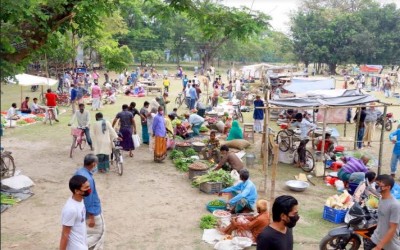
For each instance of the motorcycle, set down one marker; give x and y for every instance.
(34, 88)
(361, 224)
(389, 121)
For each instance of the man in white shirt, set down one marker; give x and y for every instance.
(12, 112)
(187, 93)
(238, 85)
(82, 116)
(74, 232)
(195, 121)
(305, 126)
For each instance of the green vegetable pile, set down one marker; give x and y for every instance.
(208, 222)
(203, 129)
(38, 118)
(182, 164)
(176, 154)
(7, 199)
(214, 176)
(217, 203)
(190, 152)
(21, 122)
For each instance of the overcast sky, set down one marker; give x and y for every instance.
(278, 9)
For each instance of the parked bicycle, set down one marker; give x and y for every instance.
(64, 100)
(237, 113)
(117, 159)
(78, 139)
(287, 139)
(180, 99)
(7, 167)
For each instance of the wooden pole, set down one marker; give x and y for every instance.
(345, 128)
(266, 153)
(273, 172)
(381, 140)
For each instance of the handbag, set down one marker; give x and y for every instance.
(136, 141)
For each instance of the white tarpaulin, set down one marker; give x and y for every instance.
(303, 85)
(29, 80)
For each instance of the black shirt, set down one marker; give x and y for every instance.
(270, 239)
(362, 118)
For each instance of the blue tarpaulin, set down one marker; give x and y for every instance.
(302, 85)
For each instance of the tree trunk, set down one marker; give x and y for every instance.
(332, 68)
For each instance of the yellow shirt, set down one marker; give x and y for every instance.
(166, 82)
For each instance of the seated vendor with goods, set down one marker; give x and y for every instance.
(353, 169)
(328, 147)
(249, 226)
(211, 150)
(229, 160)
(235, 132)
(244, 194)
(228, 125)
(36, 108)
(181, 130)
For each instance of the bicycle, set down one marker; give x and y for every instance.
(7, 164)
(64, 100)
(78, 139)
(179, 100)
(286, 140)
(50, 114)
(237, 113)
(116, 158)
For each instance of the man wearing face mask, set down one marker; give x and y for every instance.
(386, 235)
(73, 235)
(94, 218)
(278, 235)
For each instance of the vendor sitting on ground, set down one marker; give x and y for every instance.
(12, 112)
(229, 160)
(235, 132)
(181, 130)
(228, 125)
(244, 194)
(353, 169)
(249, 226)
(36, 108)
(195, 121)
(25, 106)
(211, 150)
(328, 147)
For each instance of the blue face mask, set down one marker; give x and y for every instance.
(94, 170)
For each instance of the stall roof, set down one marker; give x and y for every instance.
(348, 98)
(29, 80)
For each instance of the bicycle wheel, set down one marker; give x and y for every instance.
(240, 116)
(118, 161)
(73, 146)
(309, 164)
(120, 166)
(178, 102)
(82, 145)
(7, 166)
(283, 140)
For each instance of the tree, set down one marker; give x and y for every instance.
(150, 56)
(26, 25)
(116, 58)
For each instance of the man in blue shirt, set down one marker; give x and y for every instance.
(74, 92)
(185, 82)
(396, 151)
(94, 217)
(193, 96)
(244, 201)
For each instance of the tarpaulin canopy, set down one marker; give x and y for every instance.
(29, 80)
(348, 98)
(302, 85)
(255, 69)
(371, 68)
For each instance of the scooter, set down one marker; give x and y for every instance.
(389, 121)
(361, 224)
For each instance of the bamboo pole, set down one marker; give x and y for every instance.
(323, 138)
(381, 140)
(266, 155)
(273, 172)
(331, 107)
(358, 113)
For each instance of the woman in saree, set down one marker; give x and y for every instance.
(159, 135)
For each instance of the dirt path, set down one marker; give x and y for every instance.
(152, 206)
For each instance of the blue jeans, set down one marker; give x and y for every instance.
(87, 134)
(394, 163)
(196, 129)
(187, 99)
(192, 103)
(360, 137)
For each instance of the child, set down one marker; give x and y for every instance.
(211, 149)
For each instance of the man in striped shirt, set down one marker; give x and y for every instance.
(352, 165)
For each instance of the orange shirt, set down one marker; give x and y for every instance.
(257, 224)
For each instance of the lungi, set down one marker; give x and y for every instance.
(160, 148)
(145, 134)
(369, 131)
(258, 125)
(96, 103)
(96, 234)
(104, 162)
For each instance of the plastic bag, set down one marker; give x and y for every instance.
(235, 176)
(136, 141)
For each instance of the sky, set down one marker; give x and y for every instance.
(278, 9)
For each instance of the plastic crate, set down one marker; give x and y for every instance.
(211, 187)
(334, 215)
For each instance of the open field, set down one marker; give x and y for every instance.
(152, 206)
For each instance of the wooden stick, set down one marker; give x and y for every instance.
(273, 172)
(357, 127)
(323, 138)
(331, 107)
(381, 140)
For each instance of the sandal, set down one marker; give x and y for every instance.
(130, 154)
